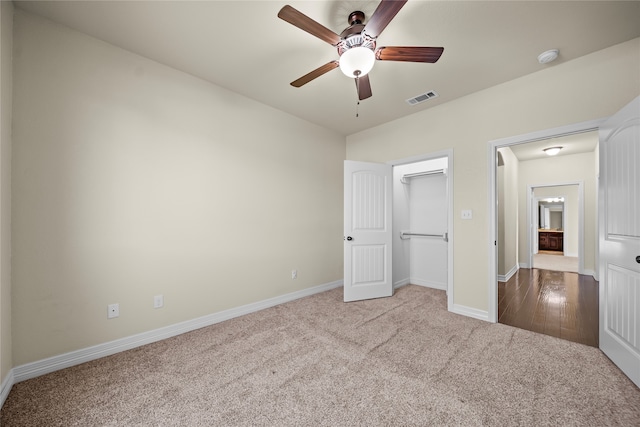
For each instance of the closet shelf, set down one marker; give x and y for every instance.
(405, 177)
(408, 234)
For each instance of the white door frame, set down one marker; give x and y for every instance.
(576, 128)
(532, 206)
(438, 155)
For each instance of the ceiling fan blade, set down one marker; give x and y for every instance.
(315, 74)
(383, 14)
(364, 87)
(409, 53)
(302, 21)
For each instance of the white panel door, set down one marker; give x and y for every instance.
(620, 239)
(367, 231)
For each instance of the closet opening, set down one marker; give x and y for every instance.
(423, 223)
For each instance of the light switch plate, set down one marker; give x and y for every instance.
(158, 301)
(466, 214)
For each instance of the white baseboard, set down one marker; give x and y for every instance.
(509, 275)
(420, 282)
(470, 312)
(524, 265)
(401, 283)
(55, 363)
(428, 284)
(5, 387)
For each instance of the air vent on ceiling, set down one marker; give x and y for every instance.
(422, 97)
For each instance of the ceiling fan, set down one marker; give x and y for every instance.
(357, 44)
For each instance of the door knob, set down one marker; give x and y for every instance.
(349, 238)
(638, 259)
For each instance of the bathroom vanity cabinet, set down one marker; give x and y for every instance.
(550, 240)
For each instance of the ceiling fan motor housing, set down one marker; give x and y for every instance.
(354, 35)
(356, 17)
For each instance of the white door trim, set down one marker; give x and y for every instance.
(576, 128)
(531, 218)
(438, 155)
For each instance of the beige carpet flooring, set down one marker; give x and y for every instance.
(317, 361)
(548, 261)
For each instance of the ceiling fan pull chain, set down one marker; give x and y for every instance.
(358, 90)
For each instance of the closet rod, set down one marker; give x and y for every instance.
(443, 236)
(412, 175)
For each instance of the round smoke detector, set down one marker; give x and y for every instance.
(548, 56)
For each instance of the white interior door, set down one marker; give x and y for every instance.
(367, 230)
(620, 239)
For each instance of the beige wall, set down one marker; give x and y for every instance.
(508, 213)
(590, 87)
(132, 179)
(6, 20)
(558, 170)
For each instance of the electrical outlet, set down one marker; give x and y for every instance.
(294, 274)
(466, 214)
(158, 301)
(113, 310)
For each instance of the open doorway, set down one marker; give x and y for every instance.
(556, 222)
(532, 221)
(423, 221)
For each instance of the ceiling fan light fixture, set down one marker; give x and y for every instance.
(552, 151)
(357, 61)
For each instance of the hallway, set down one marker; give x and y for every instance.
(556, 303)
(553, 260)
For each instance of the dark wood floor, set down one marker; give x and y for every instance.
(560, 304)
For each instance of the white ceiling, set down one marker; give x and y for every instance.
(243, 46)
(586, 142)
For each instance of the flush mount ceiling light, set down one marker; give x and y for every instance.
(548, 56)
(552, 151)
(357, 61)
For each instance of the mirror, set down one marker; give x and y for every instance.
(551, 213)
